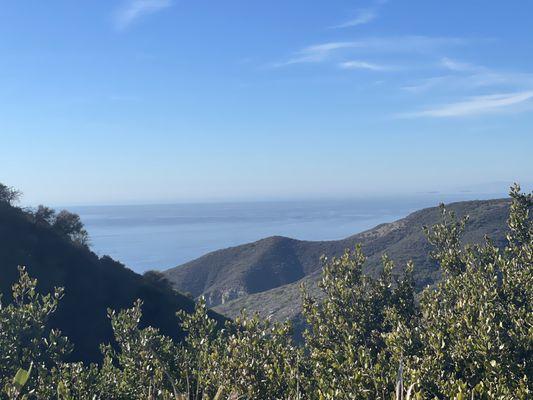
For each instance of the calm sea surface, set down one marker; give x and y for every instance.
(162, 236)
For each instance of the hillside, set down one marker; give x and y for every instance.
(92, 284)
(265, 276)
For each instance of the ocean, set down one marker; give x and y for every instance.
(146, 237)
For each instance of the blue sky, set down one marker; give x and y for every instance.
(159, 100)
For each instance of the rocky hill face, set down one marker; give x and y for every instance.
(231, 273)
(92, 284)
(265, 276)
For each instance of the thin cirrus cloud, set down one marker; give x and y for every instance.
(363, 17)
(459, 66)
(315, 53)
(403, 44)
(364, 65)
(474, 106)
(134, 10)
(462, 75)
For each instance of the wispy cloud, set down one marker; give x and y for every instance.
(402, 44)
(463, 75)
(423, 85)
(136, 9)
(363, 17)
(474, 106)
(460, 66)
(315, 53)
(364, 65)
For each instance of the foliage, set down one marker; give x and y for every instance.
(348, 332)
(24, 339)
(157, 279)
(8, 195)
(70, 225)
(251, 358)
(44, 215)
(65, 223)
(477, 326)
(470, 336)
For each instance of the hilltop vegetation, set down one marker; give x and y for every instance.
(54, 247)
(369, 337)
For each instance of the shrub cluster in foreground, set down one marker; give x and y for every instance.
(469, 337)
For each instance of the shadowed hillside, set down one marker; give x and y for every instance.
(92, 284)
(265, 276)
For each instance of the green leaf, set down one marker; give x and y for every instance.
(21, 377)
(218, 395)
(62, 391)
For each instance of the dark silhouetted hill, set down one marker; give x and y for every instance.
(92, 284)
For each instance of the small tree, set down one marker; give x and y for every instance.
(70, 225)
(44, 215)
(158, 279)
(9, 195)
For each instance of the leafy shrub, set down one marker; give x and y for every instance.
(24, 339)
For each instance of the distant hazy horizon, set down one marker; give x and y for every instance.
(472, 192)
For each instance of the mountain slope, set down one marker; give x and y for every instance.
(264, 276)
(255, 267)
(92, 284)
